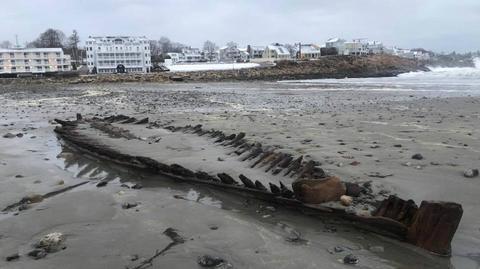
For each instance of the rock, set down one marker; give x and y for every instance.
(128, 205)
(12, 257)
(470, 173)
(102, 183)
(315, 191)
(220, 159)
(338, 249)
(18, 176)
(417, 156)
(346, 200)
(37, 253)
(9, 135)
(19, 135)
(60, 182)
(137, 186)
(350, 259)
(51, 242)
(397, 145)
(209, 261)
(353, 189)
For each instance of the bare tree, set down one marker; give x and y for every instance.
(292, 49)
(165, 44)
(73, 41)
(155, 51)
(232, 44)
(51, 38)
(6, 44)
(209, 49)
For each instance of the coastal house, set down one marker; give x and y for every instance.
(276, 52)
(231, 53)
(33, 61)
(255, 52)
(210, 56)
(356, 47)
(176, 57)
(375, 47)
(308, 52)
(191, 55)
(417, 54)
(336, 43)
(112, 54)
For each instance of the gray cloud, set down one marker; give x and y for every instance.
(441, 25)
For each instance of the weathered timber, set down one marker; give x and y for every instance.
(434, 226)
(431, 227)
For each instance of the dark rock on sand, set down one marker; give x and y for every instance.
(350, 259)
(128, 205)
(417, 156)
(353, 189)
(210, 261)
(102, 183)
(12, 257)
(9, 135)
(137, 186)
(37, 254)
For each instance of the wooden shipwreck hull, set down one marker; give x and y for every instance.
(233, 163)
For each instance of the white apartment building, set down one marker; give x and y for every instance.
(117, 54)
(33, 61)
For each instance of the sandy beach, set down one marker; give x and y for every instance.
(377, 128)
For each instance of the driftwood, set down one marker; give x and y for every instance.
(432, 226)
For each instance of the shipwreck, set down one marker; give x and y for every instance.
(234, 163)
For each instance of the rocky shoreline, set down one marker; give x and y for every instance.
(326, 67)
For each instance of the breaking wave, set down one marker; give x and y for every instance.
(448, 72)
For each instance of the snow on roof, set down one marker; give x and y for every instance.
(281, 50)
(258, 47)
(310, 48)
(335, 39)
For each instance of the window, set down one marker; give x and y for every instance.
(39, 68)
(37, 53)
(58, 54)
(12, 61)
(14, 69)
(27, 68)
(26, 61)
(12, 55)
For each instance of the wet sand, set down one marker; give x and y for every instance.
(334, 127)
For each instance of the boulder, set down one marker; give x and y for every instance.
(317, 191)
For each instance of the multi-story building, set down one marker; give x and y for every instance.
(33, 60)
(117, 54)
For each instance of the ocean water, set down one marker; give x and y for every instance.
(458, 81)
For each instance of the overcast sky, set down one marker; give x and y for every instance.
(440, 25)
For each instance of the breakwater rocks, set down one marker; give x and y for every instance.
(326, 67)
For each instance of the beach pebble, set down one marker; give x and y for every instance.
(209, 261)
(346, 200)
(417, 156)
(353, 189)
(128, 205)
(470, 173)
(51, 242)
(102, 183)
(350, 259)
(137, 186)
(37, 254)
(8, 135)
(12, 257)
